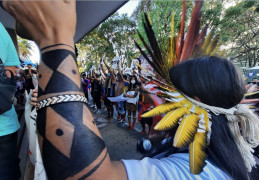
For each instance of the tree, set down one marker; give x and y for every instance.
(240, 31)
(24, 47)
(236, 27)
(160, 15)
(114, 37)
(143, 6)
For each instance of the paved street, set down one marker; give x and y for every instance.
(121, 143)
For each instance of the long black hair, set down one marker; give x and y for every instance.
(215, 81)
(133, 86)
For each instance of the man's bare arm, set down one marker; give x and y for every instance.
(104, 72)
(110, 71)
(119, 71)
(70, 143)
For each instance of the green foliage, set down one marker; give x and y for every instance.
(113, 37)
(239, 31)
(211, 13)
(160, 15)
(236, 26)
(89, 65)
(24, 47)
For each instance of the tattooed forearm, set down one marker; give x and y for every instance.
(71, 145)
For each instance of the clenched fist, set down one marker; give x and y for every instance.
(48, 22)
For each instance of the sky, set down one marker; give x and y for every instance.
(127, 8)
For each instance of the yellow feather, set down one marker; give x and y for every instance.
(161, 109)
(172, 53)
(184, 101)
(221, 53)
(207, 41)
(197, 153)
(198, 110)
(171, 119)
(189, 105)
(186, 131)
(211, 45)
(206, 119)
(213, 53)
(149, 18)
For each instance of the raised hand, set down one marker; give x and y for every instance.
(70, 143)
(47, 22)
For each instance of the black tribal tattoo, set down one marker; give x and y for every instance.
(70, 147)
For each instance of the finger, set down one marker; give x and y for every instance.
(34, 99)
(35, 90)
(34, 94)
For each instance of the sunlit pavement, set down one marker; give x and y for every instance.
(121, 142)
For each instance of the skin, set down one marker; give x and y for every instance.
(147, 98)
(136, 90)
(110, 71)
(11, 68)
(49, 23)
(121, 82)
(103, 70)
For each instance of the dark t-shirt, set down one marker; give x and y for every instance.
(109, 90)
(28, 78)
(85, 84)
(97, 87)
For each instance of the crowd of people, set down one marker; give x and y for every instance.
(26, 80)
(123, 92)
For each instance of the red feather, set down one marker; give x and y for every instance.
(181, 33)
(193, 31)
(200, 40)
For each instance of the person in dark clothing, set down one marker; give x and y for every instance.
(85, 84)
(97, 92)
(28, 78)
(20, 82)
(92, 87)
(110, 83)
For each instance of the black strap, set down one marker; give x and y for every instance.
(50, 46)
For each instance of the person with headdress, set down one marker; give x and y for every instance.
(201, 114)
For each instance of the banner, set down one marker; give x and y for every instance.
(127, 71)
(92, 68)
(114, 62)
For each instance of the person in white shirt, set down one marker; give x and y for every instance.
(132, 102)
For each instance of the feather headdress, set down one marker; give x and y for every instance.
(192, 116)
